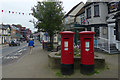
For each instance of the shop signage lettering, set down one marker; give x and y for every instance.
(114, 6)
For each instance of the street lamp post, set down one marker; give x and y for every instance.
(75, 29)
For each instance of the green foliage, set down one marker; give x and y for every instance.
(59, 74)
(50, 16)
(76, 51)
(96, 71)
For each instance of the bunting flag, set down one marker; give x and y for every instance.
(14, 12)
(84, 20)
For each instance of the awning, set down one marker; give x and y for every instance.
(117, 15)
(111, 19)
(90, 25)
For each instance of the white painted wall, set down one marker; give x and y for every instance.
(103, 12)
(111, 33)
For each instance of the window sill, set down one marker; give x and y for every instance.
(97, 16)
(88, 17)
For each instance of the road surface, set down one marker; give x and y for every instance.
(11, 54)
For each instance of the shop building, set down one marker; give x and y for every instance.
(113, 20)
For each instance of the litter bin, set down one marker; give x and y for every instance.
(48, 46)
(45, 45)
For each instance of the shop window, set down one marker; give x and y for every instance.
(89, 12)
(96, 11)
(89, 29)
(104, 31)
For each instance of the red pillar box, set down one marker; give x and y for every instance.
(87, 52)
(67, 52)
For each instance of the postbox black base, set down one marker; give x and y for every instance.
(86, 69)
(67, 69)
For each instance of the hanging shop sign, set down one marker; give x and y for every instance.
(113, 7)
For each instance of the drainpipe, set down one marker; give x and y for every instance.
(75, 30)
(109, 39)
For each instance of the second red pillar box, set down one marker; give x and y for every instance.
(87, 51)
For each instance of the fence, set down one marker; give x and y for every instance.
(102, 43)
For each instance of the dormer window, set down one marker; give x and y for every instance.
(96, 11)
(89, 12)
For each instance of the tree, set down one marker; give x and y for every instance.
(49, 15)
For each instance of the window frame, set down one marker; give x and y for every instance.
(95, 11)
(89, 8)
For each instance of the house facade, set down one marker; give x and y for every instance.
(14, 32)
(95, 14)
(104, 19)
(101, 19)
(70, 17)
(8, 34)
(4, 33)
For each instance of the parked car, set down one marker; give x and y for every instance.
(14, 43)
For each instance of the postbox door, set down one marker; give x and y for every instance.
(68, 51)
(88, 51)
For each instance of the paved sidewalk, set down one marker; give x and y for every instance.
(4, 45)
(35, 65)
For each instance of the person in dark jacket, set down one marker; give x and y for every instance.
(30, 45)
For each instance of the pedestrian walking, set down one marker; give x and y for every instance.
(31, 45)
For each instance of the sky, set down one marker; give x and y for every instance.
(24, 6)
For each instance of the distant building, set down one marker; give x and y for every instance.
(15, 32)
(70, 17)
(4, 33)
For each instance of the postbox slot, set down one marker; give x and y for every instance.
(87, 38)
(66, 38)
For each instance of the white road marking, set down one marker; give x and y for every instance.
(16, 53)
(20, 53)
(17, 49)
(11, 57)
(24, 49)
(20, 50)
